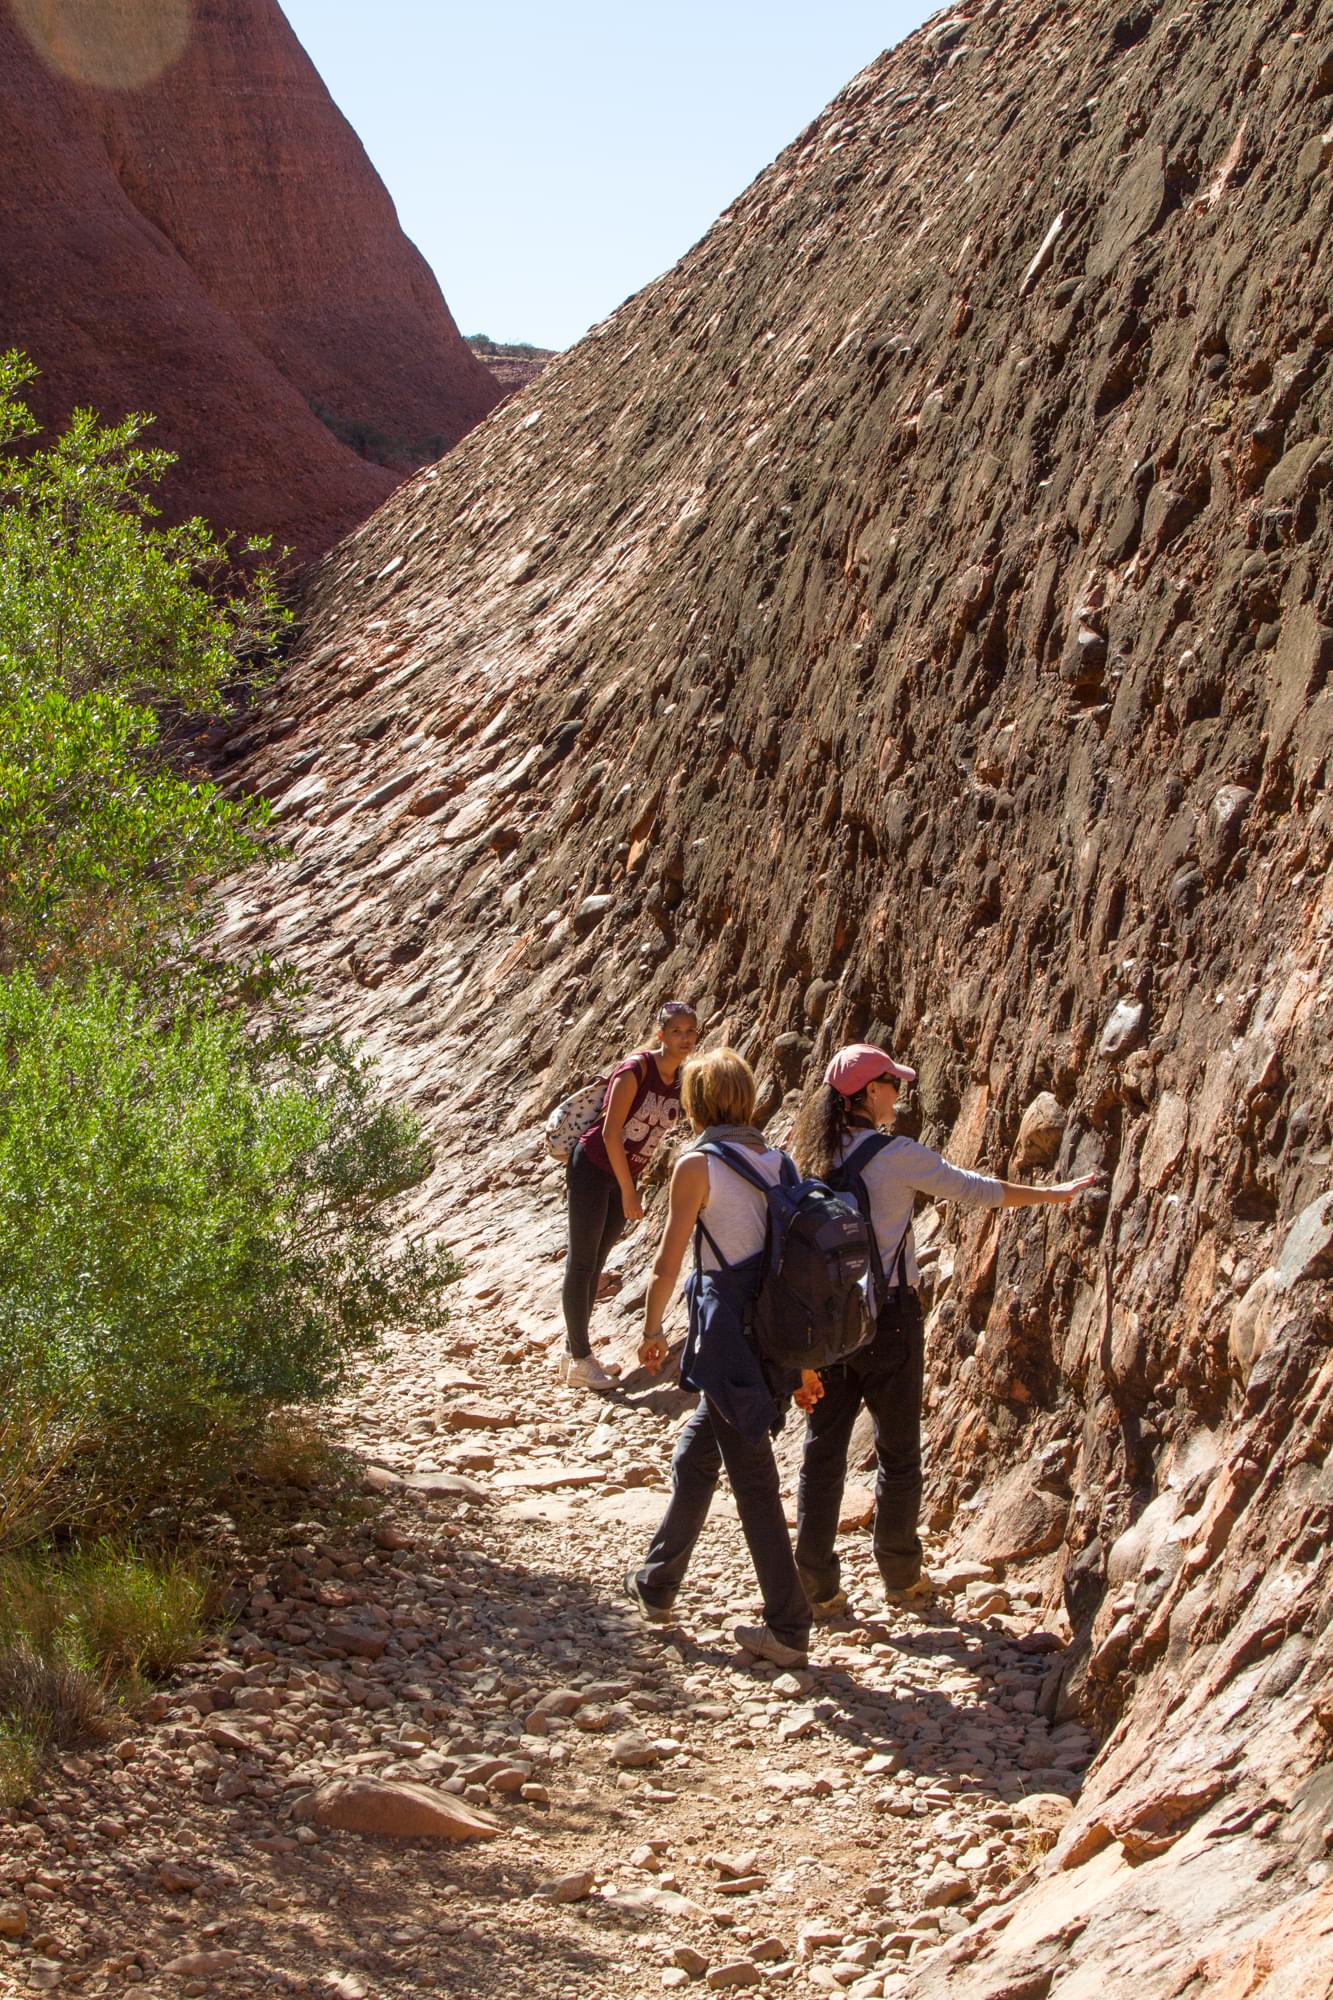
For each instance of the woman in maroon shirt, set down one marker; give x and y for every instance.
(642, 1104)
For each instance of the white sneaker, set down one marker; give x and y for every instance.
(586, 1374)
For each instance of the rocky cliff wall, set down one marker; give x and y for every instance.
(912, 617)
(191, 227)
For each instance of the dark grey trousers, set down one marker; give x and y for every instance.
(596, 1219)
(707, 1443)
(888, 1379)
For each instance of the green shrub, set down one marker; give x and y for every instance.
(115, 1614)
(93, 595)
(106, 851)
(193, 1229)
(103, 855)
(80, 1633)
(20, 1761)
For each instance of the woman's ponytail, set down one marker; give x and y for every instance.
(822, 1125)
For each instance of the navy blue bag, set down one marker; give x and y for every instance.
(812, 1307)
(848, 1179)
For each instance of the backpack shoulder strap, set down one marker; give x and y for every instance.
(851, 1173)
(701, 1235)
(866, 1150)
(735, 1159)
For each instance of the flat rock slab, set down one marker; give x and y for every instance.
(203, 1964)
(546, 1478)
(472, 1416)
(556, 1513)
(359, 1641)
(634, 1751)
(640, 1509)
(395, 1806)
(446, 1485)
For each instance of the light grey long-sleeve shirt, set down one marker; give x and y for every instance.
(897, 1174)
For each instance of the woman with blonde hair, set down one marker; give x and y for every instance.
(842, 1136)
(742, 1402)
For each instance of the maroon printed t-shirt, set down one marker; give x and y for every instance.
(654, 1111)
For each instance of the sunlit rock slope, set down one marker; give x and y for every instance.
(912, 616)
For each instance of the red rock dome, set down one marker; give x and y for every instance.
(191, 227)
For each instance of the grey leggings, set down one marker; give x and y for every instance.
(596, 1218)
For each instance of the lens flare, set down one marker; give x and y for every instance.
(111, 44)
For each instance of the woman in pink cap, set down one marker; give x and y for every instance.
(843, 1136)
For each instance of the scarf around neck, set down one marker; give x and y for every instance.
(731, 1135)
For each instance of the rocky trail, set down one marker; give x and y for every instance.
(667, 1813)
(910, 618)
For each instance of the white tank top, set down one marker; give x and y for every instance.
(736, 1214)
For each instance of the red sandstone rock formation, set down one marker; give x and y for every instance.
(211, 243)
(912, 617)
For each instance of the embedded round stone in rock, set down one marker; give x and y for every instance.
(1126, 1026)
(397, 1807)
(1049, 1812)
(1040, 1131)
(13, 1920)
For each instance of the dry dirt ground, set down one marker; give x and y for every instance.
(733, 1826)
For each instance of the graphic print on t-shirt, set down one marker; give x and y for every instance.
(650, 1120)
(654, 1110)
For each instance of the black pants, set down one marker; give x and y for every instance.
(707, 1443)
(888, 1379)
(596, 1218)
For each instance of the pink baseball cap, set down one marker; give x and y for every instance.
(860, 1063)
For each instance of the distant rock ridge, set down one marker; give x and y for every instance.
(912, 618)
(514, 364)
(212, 244)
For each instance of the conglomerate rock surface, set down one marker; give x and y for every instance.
(191, 227)
(911, 617)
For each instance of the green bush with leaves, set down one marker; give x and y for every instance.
(194, 1228)
(104, 854)
(106, 847)
(94, 594)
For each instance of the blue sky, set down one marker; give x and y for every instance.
(549, 160)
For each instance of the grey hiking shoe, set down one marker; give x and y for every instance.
(921, 1586)
(828, 1608)
(766, 1645)
(652, 1614)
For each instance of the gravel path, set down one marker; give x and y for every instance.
(711, 1822)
